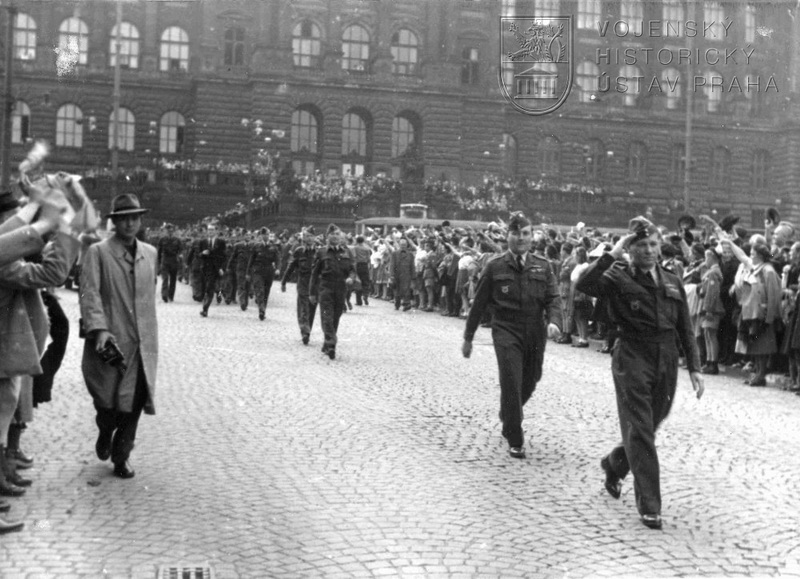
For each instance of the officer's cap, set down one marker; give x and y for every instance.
(263, 231)
(518, 221)
(642, 227)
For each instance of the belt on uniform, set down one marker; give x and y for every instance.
(668, 336)
(518, 316)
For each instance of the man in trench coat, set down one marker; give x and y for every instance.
(118, 304)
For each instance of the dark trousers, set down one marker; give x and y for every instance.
(519, 348)
(331, 306)
(402, 295)
(453, 299)
(242, 289)
(229, 286)
(54, 354)
(262, 286)
(169, 277)
(362, 270)
(123, 425)
(645, 376)
(305, 314)
(209, 289)
(197, 281)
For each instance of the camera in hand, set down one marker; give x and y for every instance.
(111, 355)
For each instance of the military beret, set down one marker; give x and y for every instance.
(332, 228)
(687, 221)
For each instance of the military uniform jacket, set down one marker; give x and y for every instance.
(330, 270)
(302, 260)
(517, 295)
(264, 258)
(643, 311)
(240, 257)
(169, 250)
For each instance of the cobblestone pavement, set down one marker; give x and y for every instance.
(267, 459)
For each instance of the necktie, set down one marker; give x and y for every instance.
(649, 275)
(519, 262)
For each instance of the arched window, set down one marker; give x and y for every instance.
(403, 135)
(171, 134)
(304, 141)
(24, 37)
(355, 49)
(404, 52)
(174, 50)
(509, 154)
(588, 73)
(20, 123)
(720, 168)
(355, 144)
(69, 126)
(128, 46)
(633, 84)
(127, 130)
(550, 151)
(759, 170)
(234, 46)
(671, 88)
(594, 160)
(73, 39)
(637, 162)
(306, 44)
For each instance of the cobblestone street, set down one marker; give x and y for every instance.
(267, 459)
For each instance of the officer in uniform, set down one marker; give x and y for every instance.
(648, 306)
(521, 288)
(212, 256)
(238, 264)
(264, 259)
(332, 265)
(301, 261)
(228, 284)
(195, 265)
(169, 250)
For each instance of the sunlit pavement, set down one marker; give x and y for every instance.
(267, 459)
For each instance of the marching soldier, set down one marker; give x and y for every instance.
(302, 258)
(195, 266)
(648, 306)
(261, 267)
(169, 250)
(522, 290)
(332, 265)
(238, 263)
(212, 256)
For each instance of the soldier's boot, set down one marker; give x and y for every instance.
(261, 314)
(7, 488)
(23, 460)
(9, 466)
(8, 527)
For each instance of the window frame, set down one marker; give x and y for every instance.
(69, 128)
(172, 137)
(127, 133)
(129, 45)
(29, 33)
(409, 66)
(356, 51)
(20, 123)
(65, 35)
(167, 47)
(233, 51)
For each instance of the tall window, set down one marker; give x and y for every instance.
(304, 141)
(551, 157)
(128, 46)
(306, 44)
(759, 171)
(20, 123)
(404, 52)
(749, 23)
(171, 138)
(354, 144)
(637, 162)
(633, 83)
(127, 130)
(588, 13)
(754, 95)
(714, 14)
(720, 168)
(24, 37)
(594, 160)
(671, 88)
(234, 46)
(508, 8)
(678, 164)
(510, 154)
(355, 49)
(69, 126)
(469, 65)
(672, 15)
(73, 38)
(174, 54)
(403, 135)
(545, 8)
(588, 73)
(713, 90)
(631, 12)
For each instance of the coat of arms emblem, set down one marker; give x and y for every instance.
(536, 62)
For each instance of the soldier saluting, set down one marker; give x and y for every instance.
(648, 305)
(522, 290)
(301, 261)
